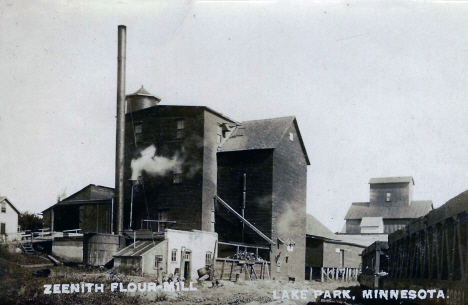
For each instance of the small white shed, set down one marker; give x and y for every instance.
(181, 252)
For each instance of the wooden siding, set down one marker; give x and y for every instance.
(400, 194)
(182, 201)
(258, 167)
(95, 218)
(210, 148)
(289, 206)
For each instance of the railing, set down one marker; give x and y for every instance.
(161, 225)
(338, 274)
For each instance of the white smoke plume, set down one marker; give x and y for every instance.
(152, 164)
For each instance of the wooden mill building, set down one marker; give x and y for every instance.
(179, 158)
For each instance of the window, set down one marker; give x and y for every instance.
(208, 258)
(158, 261)
(138, 129)
(162, 215)
(2, 228)
(218, 134)
(187, 255)
(3, 207)
(213, 220)
(177, 175)
(389, 197)
(291, 136)
(174, 255)
(180, 129)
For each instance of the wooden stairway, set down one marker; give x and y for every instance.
(28, 248)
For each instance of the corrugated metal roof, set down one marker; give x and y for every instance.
(407, 179)
(416, 209)
(371, 221)
(137, 249)
(316, 228)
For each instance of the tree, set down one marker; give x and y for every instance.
(62, 195)
(30, 221)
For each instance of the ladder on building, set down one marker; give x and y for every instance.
(28, 248)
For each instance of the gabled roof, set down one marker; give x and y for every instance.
(359, 210)
(406, 179)
(316, 228)
(90, 193)
(262, 134)
(4, 199)
(137, 249)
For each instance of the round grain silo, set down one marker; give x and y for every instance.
(99, 248)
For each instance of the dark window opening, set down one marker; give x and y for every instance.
(162, 215)
(2, 228)
(3, 207)
(158, 261)
(180, 129)
(177, 176)
(138, 130)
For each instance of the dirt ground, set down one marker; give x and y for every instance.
(250, 293)
(24, 285)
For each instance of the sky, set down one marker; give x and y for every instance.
(378, 89)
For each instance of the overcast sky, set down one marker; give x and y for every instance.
(378, 89)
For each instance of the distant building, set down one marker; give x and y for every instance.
(391, 207)
(88, 210)
(8, 220)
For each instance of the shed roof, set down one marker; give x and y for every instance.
(316, 228)
(262, 134)
(359, 210)
(406, 179)
(137, 249)
(4, 199)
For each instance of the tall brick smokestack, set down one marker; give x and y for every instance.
(120, 128)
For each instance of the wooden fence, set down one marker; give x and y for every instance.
(338, 274)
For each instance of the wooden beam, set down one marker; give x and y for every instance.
(230, 209)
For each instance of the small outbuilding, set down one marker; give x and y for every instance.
(88, 210)
(327, 255)
(179, 252)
